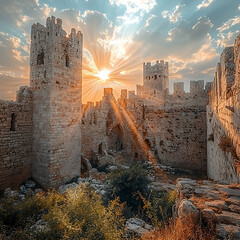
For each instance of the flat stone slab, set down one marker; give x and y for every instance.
(230, 191)
(220, 204)
(233, 200)
(228, 231)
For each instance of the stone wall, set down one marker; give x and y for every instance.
(16, 139)
(174, 135)
(223, 119)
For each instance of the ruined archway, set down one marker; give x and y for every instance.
(116, 138)
(85, 166)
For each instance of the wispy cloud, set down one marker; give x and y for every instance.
(175, 15)
(231, 22)
(205, 4)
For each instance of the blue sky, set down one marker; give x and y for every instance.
(119, 35)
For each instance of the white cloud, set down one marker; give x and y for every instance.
(227, 39)
(134, 6)
(175, 15)
(149, 20)
(231, 22)
(205, 3)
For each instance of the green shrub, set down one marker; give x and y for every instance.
(19, 213)
(127, 184)
(83, 216)
(77, 214)
(158, 209)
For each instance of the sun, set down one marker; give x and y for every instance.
(103, 75)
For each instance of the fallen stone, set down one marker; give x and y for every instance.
(29, 192)
(112, 168)
(137, 227)
(38, 190)
(231, 192)
(209, 214)
(187, 210)
(228, 218)
(30, 184)
(220, 204)
(233, 200)
(40, 227)
(10, 193)
(235, 208)
(22, 189)
(228, 231)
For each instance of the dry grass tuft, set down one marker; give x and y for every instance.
(179, 231)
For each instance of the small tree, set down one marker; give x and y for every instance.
(126, 184)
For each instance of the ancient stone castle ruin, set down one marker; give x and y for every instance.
(47, 132)
(41, 131)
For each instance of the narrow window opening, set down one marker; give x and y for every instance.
(155, 77)
(100, 149)
(40, 58)
(13, 122)
(67, 61)
(45, 74)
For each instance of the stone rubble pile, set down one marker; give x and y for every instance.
(215, 202)
(29, 188)
(137, 227)
(98, 185)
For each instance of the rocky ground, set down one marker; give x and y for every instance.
(215, 202)
(198, 199)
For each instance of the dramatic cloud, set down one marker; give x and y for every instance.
(121, 34)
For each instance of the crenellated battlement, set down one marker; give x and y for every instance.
(53, 53)
(155, 88)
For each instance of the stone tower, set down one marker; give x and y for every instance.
(156, 76)
(56, 83)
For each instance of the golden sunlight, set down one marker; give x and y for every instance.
(103, 75)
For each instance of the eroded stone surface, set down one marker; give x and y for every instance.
(222, 210)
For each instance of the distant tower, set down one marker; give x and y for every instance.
(56, 83)
(156, 76)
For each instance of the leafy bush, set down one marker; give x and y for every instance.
(77, 214)
(19, 213)
(127, 184)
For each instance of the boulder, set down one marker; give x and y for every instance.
(40, 227)
(137, 227)
(29, 192)
(30, 184)
(188, 211)
(225, 231)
